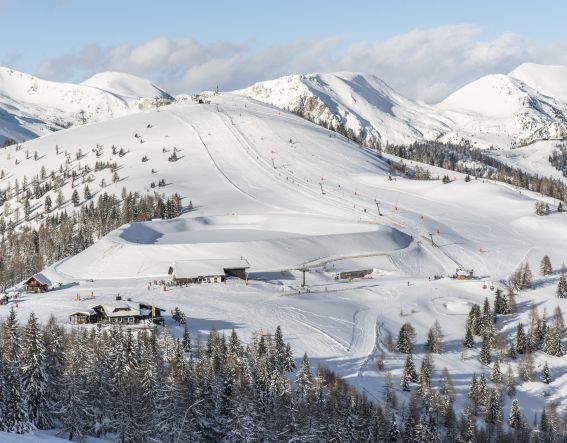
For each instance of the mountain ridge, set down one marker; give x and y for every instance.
(31, 107)
(368, 110)
(528, 104)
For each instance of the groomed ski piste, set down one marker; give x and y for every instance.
(286, 194)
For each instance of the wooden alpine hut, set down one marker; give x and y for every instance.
(37, 284)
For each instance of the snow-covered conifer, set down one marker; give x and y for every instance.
(522, 345)
(35, 380)
(526, 368)
(510, 382)
(434, 342)
(545, 374)
(406, 338)
(545, 266)
(496, 375)
(484, 355)
(515, 420)
(468, 341)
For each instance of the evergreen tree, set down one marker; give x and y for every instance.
(484, 355)
(511, 351)
(468, 341)
(515, 420)
(409, 374)
(527, 277)
(394, 433)
(545, 374)
(496, 375)
(475, 320)
(499, 303)
(35, 380)
(545, 266)
(47, 203)
(434, 342)
(406, 338)
(425, 374)
(487, 317)
(553, 341)
(304, 378)
(510, 382)
(467, 426)
(390, 400)
(562, 285)
(75, 198)
(526, 368)
(521, 340)
(493, 413)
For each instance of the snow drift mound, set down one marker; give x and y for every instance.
(148, 249)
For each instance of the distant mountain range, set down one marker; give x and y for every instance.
(30, 107)
(524, 106)
(527, 105)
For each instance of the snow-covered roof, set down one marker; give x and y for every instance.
(83, 312)
(125, 308)
(40, 278)
(206, 268)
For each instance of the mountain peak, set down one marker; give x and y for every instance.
(357, 104)
(549, 80)
(125, 85)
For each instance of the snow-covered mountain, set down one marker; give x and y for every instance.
(545, 79)
(527, 105)
(504, 111)
(30, 106)
(360, 104)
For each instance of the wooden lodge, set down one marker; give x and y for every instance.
(463, 274)
(119, 313)
(83, 317)
(36, 284)
(208, 271)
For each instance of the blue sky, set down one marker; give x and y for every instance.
(182, 43)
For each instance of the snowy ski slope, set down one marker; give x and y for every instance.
(285, 193)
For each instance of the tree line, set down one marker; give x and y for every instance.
(148, 387)
(26, 249)
(475, 162)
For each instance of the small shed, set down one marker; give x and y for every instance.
(83, 317)
(208, 271)
(38, 283)
(356, 273)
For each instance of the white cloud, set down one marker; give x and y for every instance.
(425, 64)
